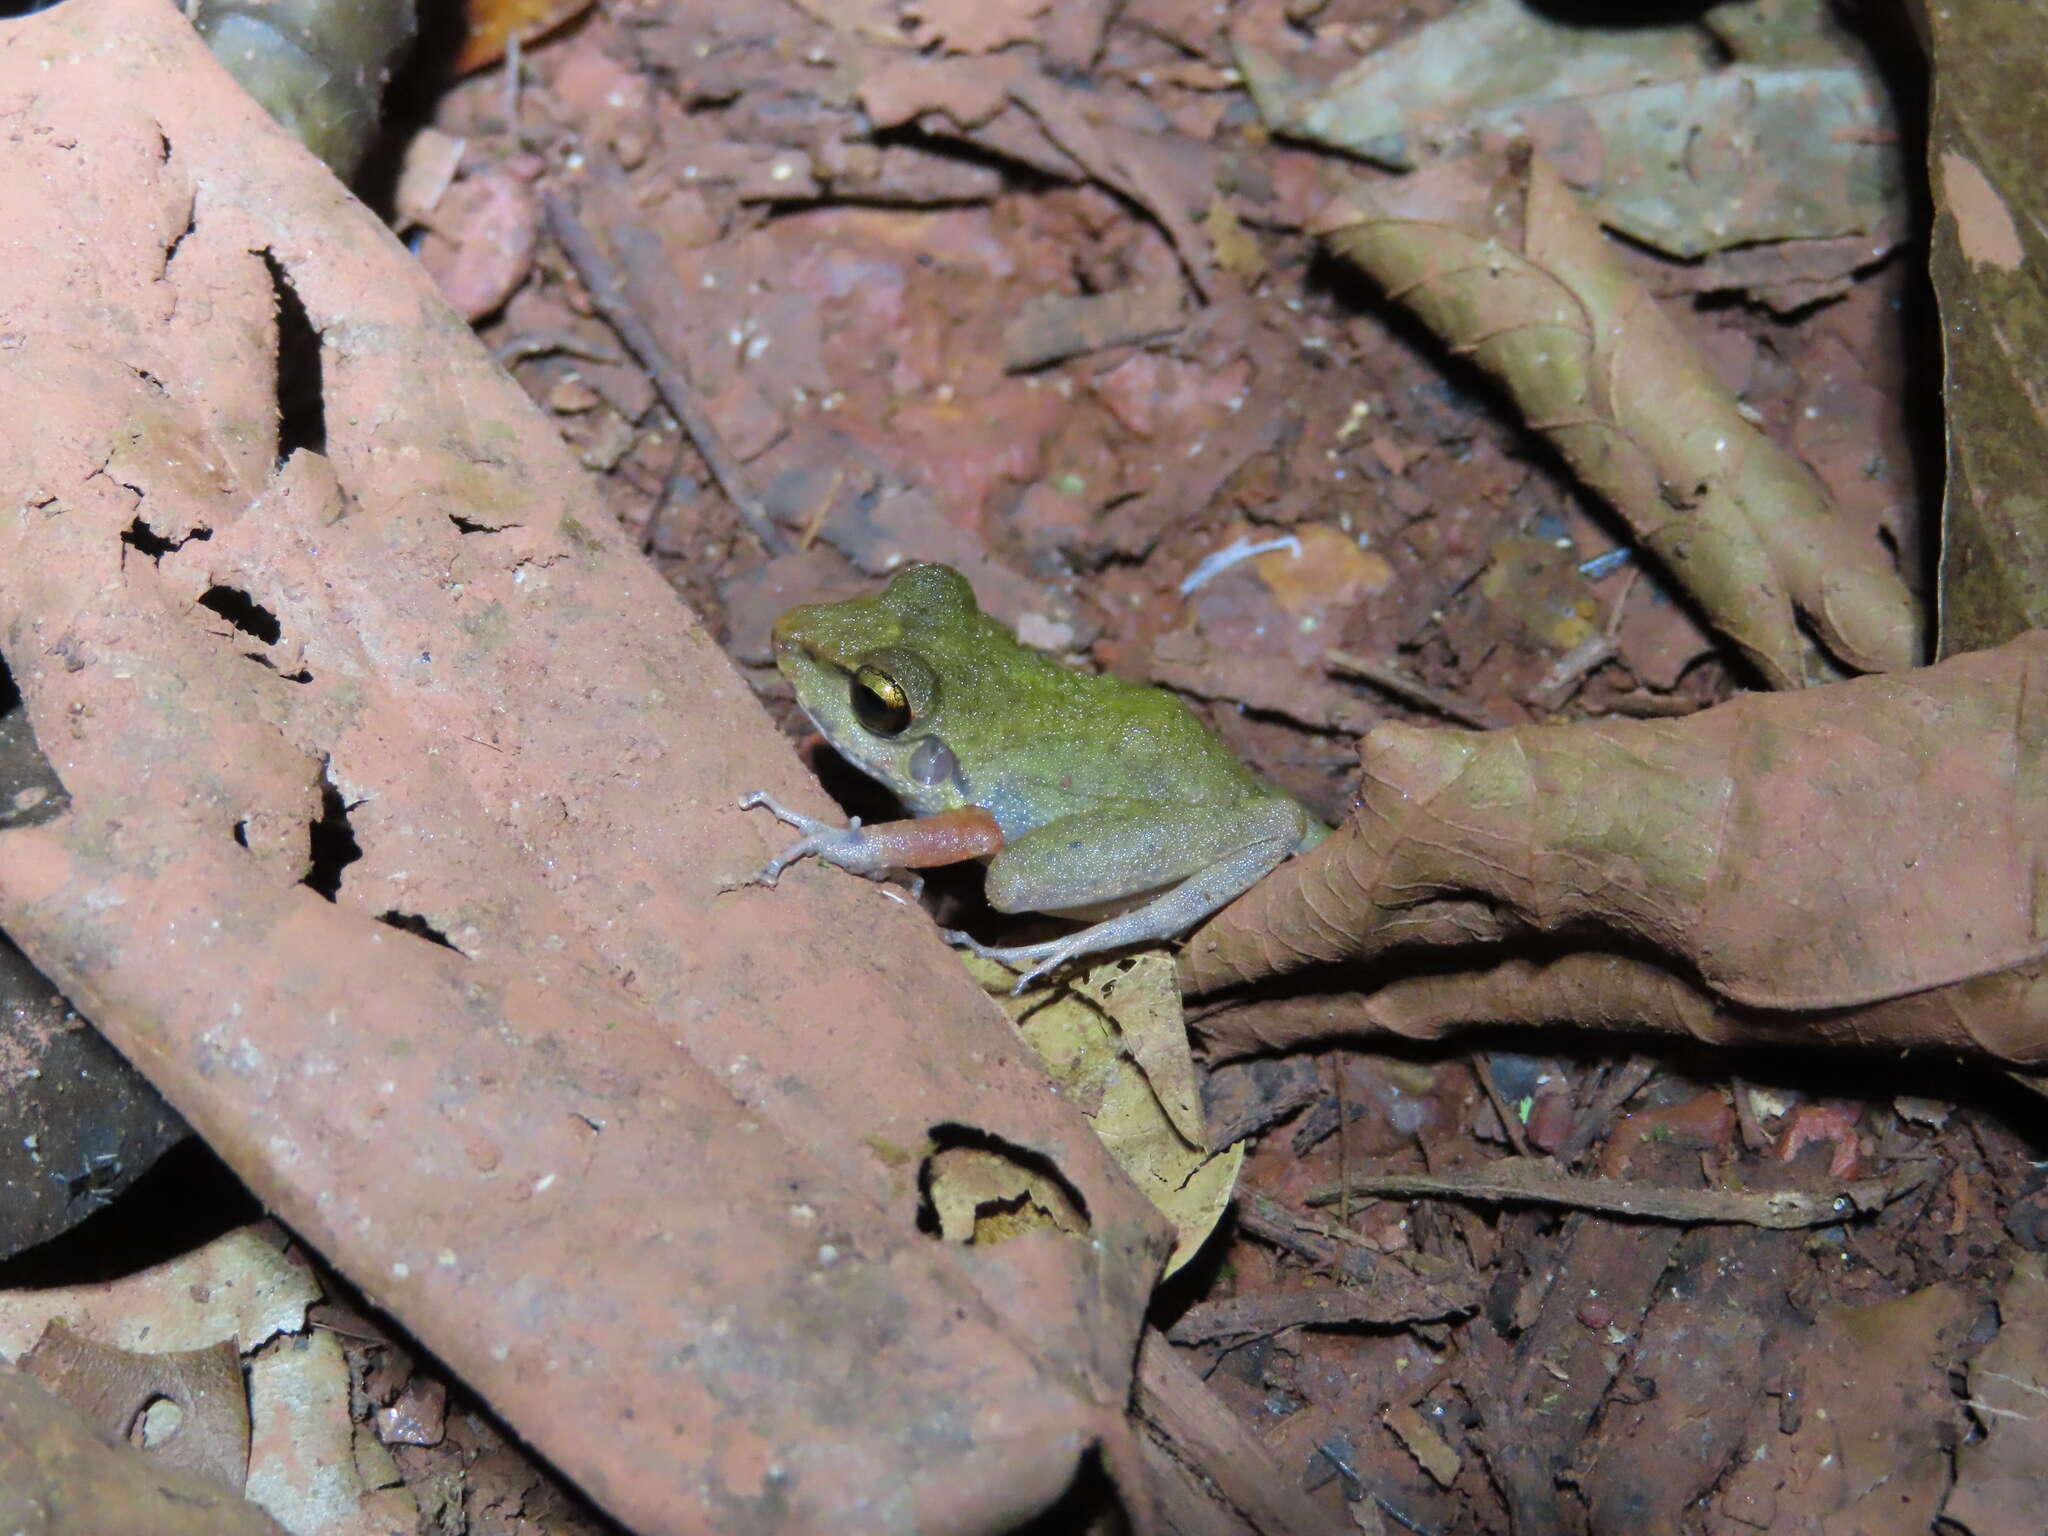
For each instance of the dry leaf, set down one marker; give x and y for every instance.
(1432, 1452)
(1114, 1042)
(303, 1465)
(973, 26)
(1670, 144)
(494, 23)
(1736, 158)
(57, 1478)
(1866, 1450)
(1393, 104)
(1866, 852)
(1141, 997)
(1987, 142)
(1516, 276)
(207, 1431)
(240, 1286)
(2002, 1477)
(516, 1066)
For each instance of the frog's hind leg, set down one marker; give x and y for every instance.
(1120, 852)
(1163, 917)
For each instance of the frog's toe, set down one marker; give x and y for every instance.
(960, 938)
(760, 799)
(1030, 961)
(766, 875)
(1026, 979)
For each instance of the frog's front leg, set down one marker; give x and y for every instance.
(948, 838)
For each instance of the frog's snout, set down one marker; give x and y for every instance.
(785, 637)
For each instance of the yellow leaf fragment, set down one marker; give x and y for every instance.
(1115, 1043)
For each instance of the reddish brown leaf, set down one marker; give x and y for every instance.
(637, 1158)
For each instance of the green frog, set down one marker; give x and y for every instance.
(1087, 795)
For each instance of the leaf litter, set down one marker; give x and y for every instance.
(825, 228)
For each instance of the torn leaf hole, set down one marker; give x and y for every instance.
(416, 925)
(332, 839)
(975, 1187)
(156, 1423)
(244, 612)
(301, 386)
(143, 539)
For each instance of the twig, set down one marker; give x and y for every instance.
(1392, 1296)
(1585, 658)
(514, 54)
(1390, 677)
(1510, 1123)
(542, 343)
(1572, 669)
(1644, 705)
(650, 532)
(823, 508)
(1241, 1475)
(1623, 1083)
(1519, 1179)
(1338, 1250)
(608, 294)
(1343, 1141)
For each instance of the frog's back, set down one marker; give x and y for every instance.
(1037, 740)
(1075, 740)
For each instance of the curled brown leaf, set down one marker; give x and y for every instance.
(1512, 273)
(1856, 862)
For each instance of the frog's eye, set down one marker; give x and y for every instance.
(879, 702)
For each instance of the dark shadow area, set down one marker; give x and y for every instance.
(301, 382)
(145, 540)
(333, 840)
(417, 926)
(244, 612)
(189, 1198)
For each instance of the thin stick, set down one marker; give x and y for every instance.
(1585, 658)
(1385, 675)
(1343, 1141)
(823, 509)
(1510, 1123)
(512, 70)
(650, 533)
(608, 293)
(1536, 1182)
(1623, 1083)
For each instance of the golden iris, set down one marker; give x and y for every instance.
(879, 702)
